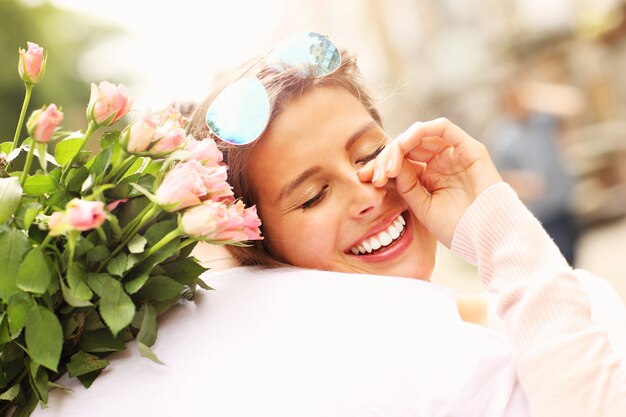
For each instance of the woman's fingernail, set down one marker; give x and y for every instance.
(376, 175)
(389, 165)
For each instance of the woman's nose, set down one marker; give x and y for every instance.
(364, 199)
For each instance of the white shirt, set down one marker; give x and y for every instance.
(308, 343)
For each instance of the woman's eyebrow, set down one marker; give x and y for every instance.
(358, 133)
(287, 189)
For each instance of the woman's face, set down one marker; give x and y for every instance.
(316, 212)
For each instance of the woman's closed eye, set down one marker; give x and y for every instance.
(315, 199)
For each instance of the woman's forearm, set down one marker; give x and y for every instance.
(564, 360)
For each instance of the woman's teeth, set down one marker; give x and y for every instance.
(384, 238)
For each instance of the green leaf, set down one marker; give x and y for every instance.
(66, 149)
(116, 307)
(153, 168)
(148, 332)
(101, 162)
(58, 199)
(142, 190)
(38, 378)
(40, 184)
(184, 271)
(10, 195)
(12, 361)
(88, 379)
(11, 393)
(5, 147)
(20, 304)
(158, 230)
(110, 139)
(26, 214)
(83, 363)
(97, 254)
(76, 178)
(44, 337)
(13, 245)
(100, 341)
(160, 288)
(5, 335)
(135, 284)
(146, 352)
(34, 275)
(202, 284)
(42, 151)
(26, 408)
(137, 244)
(131, 209)
(77, 293)
(117, 265)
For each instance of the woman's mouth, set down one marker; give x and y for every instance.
(382, 240)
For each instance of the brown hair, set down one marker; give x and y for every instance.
(283, 87)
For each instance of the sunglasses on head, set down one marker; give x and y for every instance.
(241, 112)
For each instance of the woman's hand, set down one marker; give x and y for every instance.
(438, 169)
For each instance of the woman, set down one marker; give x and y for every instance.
(334, 192)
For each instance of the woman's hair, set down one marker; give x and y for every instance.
(283, 87)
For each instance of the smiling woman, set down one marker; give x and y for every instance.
(336, 193)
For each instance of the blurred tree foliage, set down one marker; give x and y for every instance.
(65, 36)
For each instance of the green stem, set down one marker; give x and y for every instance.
(29, 161)
(20, 122)
(71, 243)
(128, 233)
(46, 240)
(130, 227)
(187, 242)
(164, 241)
(90, 129)
(117, 174)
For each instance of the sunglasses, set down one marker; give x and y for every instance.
(241, 112)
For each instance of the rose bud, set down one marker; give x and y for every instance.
(42, 122)
(108, 103)
(32, 63)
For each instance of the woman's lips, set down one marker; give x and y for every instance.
(395, 248)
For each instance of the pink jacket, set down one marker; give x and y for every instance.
(564, 360)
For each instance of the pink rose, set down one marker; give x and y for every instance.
(137, 136)
(108, 103)
(204, 151)
(251, 222)
(170, 113)
(58, 223)
(217, 221)
(79, 215)
(85, 215)
(157, 133)
(188, 183)
(42, 122)
(32, 63)
(167, 138)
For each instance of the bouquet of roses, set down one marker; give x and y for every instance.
(94, 247)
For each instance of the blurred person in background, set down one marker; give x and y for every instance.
(525, 145)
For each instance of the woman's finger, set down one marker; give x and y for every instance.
(410, 188)
(420, 134)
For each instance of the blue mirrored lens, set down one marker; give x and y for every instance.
(314, 54)
(240, 113)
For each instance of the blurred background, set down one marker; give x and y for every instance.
(540, 83)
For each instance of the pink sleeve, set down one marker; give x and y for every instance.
(564, 361)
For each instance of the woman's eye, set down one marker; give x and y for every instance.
(315, 200)
(371, 156)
